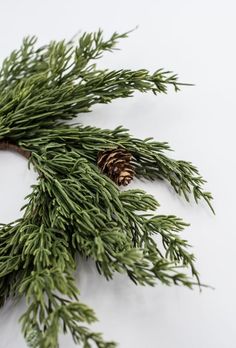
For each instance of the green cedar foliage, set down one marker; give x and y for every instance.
(74, 209)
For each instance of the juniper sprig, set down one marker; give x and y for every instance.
(75, 208)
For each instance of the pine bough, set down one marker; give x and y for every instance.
(73, 208)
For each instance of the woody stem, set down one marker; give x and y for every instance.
(7, 145)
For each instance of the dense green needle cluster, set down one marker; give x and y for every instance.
(74, 208)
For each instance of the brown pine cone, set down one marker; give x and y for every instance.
(116, 165)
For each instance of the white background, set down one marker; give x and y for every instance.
(196, 39)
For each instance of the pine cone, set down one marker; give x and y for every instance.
(116, 165)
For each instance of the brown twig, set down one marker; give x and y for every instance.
(7, 145)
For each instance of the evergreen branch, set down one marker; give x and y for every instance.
(47, 255)
(183, 176)
(149, 156)
(67, 85)
(57, 56)
(111, 237)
